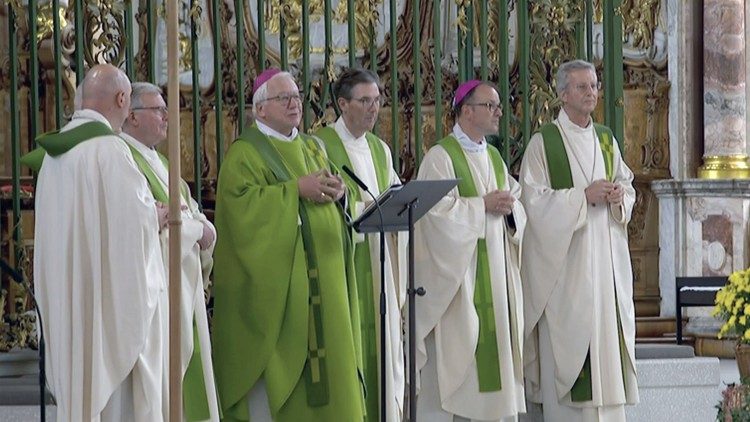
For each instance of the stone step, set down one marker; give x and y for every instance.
(655, 326)
(666, 339)
(19, 379)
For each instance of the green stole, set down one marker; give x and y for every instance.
(561, 178)
(362, 261)
(557, 157)
(315, 373)
(194, 399)
(56, 143)
(487, 356)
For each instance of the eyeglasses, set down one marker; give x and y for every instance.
(583, 88)
(287, 98)
(492, 107)
(162, 110)
(368, 102)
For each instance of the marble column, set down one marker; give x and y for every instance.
(704, 225)
(724, 96)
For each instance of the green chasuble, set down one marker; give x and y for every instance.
(487, 355)
(285, 306)
(362, 260)
(561, 178)
(194, 398)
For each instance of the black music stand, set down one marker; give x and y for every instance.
(400, 207)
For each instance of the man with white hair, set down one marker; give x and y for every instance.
(143, 130)
(286, 319)
(578, 283)
(98, 267)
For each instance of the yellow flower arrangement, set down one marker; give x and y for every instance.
(733, 306)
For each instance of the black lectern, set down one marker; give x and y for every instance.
(397, 209)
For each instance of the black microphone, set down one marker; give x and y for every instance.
(356, 179)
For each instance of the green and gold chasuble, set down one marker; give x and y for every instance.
(285, 306)
(362, 260)
(487, 355)
(561, 178)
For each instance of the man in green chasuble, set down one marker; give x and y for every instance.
(580, 319)
(286, 334)
(470, 322)
(350, 142)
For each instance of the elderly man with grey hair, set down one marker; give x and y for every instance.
(578, 297)
(286, 320)
(143, 130)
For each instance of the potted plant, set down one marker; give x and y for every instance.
(734, 405)
(733, 306)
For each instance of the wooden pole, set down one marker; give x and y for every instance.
(175, 219)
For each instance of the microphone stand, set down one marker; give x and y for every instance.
(383, 306)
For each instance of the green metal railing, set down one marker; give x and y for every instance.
(512, 75)
(15, 137)
(197, 150)
(437, 67)
(613, 98)
(218, 81)
(240, 94)
(58, 65)
(34, 76)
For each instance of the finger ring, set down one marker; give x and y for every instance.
(323, 195)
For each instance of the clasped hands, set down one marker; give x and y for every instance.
(162, 214)
(321, 187)
(499, 202)
(603, 192)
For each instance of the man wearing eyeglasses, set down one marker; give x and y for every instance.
(470, 323)
(98, 270)
(286, 320)
(350, 142)
(580, 319)
(143, 130)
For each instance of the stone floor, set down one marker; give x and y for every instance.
(30, 412)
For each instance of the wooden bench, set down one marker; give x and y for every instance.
(695, 291)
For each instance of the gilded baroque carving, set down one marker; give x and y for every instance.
(366, 15)
(639, 19)
(643, 201)
(553, 41)
(104, 27)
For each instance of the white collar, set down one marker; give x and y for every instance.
(564, 120)
(344, 133)
(143, 149)
(89, 114)
(466, 143)
(268, 131)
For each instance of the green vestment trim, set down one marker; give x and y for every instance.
(487, 356)
(315, 369)
(153, 180)
(194, 399)
(561, 178)
(56, 143)
(362, 258)
(557, 157)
